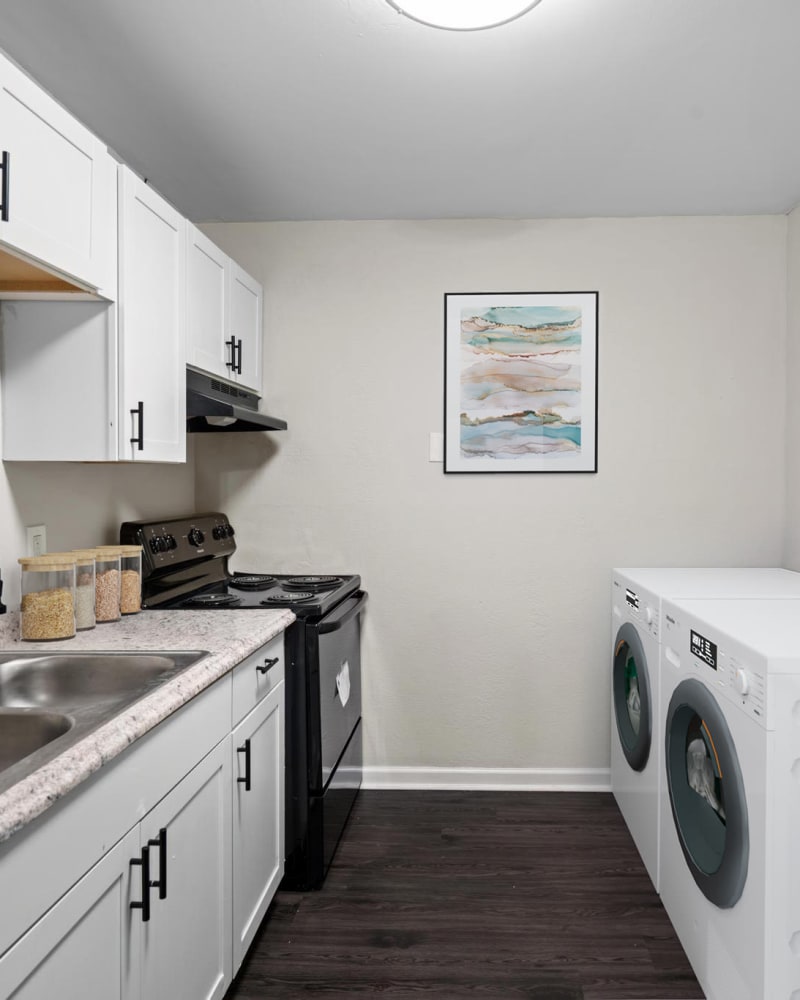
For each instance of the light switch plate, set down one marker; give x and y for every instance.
(37, 540)
(436, 447)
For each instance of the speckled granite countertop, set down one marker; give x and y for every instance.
(229, 637)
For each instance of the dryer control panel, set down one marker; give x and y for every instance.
(638, 607)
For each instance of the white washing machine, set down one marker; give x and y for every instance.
(636, 715)
(730, 799)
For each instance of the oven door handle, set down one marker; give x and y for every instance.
(346, 611)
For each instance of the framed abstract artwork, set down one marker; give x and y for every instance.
(520, 390)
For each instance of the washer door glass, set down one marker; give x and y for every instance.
(631, 694)
(706, 793)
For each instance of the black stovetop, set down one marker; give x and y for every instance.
(185, 564)
(306, 596)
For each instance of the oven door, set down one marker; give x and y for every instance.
(333, 657)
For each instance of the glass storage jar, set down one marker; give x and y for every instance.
(108, 567)
(47, 605)
(130, 599)
(84, 589)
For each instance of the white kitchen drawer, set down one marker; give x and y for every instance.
(251, 682)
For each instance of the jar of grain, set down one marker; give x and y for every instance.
(130, 599)
(84, 589)
(108, 567)
(47, 607)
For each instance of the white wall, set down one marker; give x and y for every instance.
(792, 550)
(81, 504)
(486, 639)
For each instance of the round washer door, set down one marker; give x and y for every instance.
(706, 793)
(631, 694)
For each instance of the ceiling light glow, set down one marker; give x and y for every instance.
(463, 15)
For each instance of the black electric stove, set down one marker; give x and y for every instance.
(185, 566)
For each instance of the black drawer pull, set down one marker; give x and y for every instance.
(5, 166)
(263, 668)
(144, 905)
(246, 751)
(161, 843)
(232, 363)
(139, 439)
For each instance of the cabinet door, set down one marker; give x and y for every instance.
(81, 949)
(206, 293)
(186, 944)
(245, 302)
(60, 205)
(258, 824)
(152, 331)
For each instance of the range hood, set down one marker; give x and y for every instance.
(214, 407)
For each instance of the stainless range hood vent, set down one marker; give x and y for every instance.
(213, 407)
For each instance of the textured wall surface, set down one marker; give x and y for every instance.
(486, 637)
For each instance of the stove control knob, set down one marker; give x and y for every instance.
(218, 531)
(229, 532)
(741, 681)
(155, 545)
(196, 537)
(170, 542)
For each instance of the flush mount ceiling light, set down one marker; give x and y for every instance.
(463, 15)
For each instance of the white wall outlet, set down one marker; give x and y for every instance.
(37, 540)
(436, 447)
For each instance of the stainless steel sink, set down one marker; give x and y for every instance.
(23, 732)
(49, 702)
(70, 679)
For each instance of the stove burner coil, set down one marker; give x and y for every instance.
(212, 601)
(312, 583)
(251, 581)
(296, 597)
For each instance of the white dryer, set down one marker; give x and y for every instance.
(730, 800)
(636, 715)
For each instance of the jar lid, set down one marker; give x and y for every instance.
(130, 550)
(84, 555)
(47, 563)
(108, 551)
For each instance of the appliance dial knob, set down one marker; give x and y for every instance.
(155, 545)
(648, 614)
(229, 531)
(196, 537)
(169, 542)
(741, 681)
(217, 532)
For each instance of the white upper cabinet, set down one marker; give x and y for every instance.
(245, 297)
(89, 381)
(224, 310)
(152, 325)
(58, 193)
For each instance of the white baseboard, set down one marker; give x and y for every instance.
(490, 779)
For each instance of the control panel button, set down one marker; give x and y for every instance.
(741, 681)
(196, 537)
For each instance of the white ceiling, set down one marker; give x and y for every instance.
(343, 109)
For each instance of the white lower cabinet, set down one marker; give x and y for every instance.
(169, 911)
(82, 947)
(186, 943)
(257, 749)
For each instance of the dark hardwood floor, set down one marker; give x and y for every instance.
(534, 895)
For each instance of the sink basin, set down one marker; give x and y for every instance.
(22, 733)
(50, 702)
(70, 679)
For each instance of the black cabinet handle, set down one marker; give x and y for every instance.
(239, 362)
(139, 439)
(232, 363)
(144, 905)
(160, 842)
(5, 166)
(263, 668)
(246, 751)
